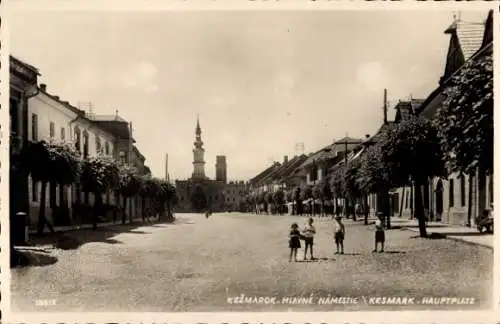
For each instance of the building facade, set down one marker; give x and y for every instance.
(200, 193)
(35, 115)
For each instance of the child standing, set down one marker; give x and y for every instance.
(379, 233)
(294, 241)
(339, 230)
(309, 232)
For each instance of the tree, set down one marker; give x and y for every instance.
(374, 176)
(465, 122)
(306, 193)
(351, 189)
(146, 192)
(413, 151)
(297, 197)
(279, 200)
(167, 196)
(336, 186)
(99, 175)
(129, 186)
(50, 162)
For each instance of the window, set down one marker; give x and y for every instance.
(106, 148)
(34, 127)
(451, 193)
(52, 130)
(462, 190)
(34, 190)
(98, 147)
(78, 139)
(63, 134)
(85, 144)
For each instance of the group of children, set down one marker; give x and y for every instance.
(307, 234)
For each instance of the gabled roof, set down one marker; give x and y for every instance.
(406, 109)
(264, 173)
(117, 126)
(381, 131)
(348, 140)
(470, 36)
(328, 152)
(285, 169)
(431, 105)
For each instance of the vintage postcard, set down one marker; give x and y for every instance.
(263, 162)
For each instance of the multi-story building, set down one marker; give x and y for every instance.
(199, 192)
(52, 119)
(459, 198)
(36, 114)
(23, 85)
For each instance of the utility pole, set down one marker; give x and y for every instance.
(385, 106)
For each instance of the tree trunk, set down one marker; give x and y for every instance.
(412, 201)
(143, 208)
(481, 190)
(42, 220)
(402, 203)
(353, 209)
(366, 208)
(419, 208)
(97, 208)
(124, 212)
(469, 200)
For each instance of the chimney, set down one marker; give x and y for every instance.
(285, 159)
(43, 87)
(385, 106)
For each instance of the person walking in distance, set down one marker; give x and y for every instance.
(339, 234)
(308, 233)
(379, 232)
(294, 242)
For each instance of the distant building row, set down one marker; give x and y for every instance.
(447, 200)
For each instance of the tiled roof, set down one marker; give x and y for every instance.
(470, 36)
(405, 109)
(107, 118)
(349, 140)
(287, 168)
(375, 138)
(264, 173)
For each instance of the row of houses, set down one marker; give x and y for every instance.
(37, 113)
(452, 200)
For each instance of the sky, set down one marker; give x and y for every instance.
(261, 81)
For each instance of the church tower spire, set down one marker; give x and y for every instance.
(198, 153)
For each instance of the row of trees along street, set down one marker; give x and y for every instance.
(60, 163)
(458, 140)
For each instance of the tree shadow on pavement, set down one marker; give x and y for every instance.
(33, 258)
(72, 240)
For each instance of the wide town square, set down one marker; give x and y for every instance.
(195, 170)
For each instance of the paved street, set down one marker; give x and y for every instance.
(195, 264)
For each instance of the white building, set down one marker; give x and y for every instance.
(50, 118)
